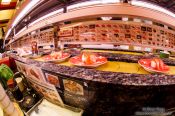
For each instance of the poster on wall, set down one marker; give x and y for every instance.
(73, 87)
(47, 90)
(52, 79)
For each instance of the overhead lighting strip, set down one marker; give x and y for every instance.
(21, 30)
(152, 6)
(46, 16)
(89, 3)
(24, 11)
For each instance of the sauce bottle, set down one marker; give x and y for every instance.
(15, 90)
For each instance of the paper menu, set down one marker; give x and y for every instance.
(31, 71)
(35, 72)
(47, 90)
(21, 67)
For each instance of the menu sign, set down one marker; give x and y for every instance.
(35, 73)
(52, 79)
(65, 32)
(21, 67)
(47, 90)
(73, 87)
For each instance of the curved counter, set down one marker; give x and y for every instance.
(111, 93)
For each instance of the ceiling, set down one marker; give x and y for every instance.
(6, 13)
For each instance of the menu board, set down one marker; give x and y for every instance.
(65, 32)
(35, 73)
(128, 33)
(30, 71)
(52, 79)
(73, 87)
(47, 90)
(21, 67)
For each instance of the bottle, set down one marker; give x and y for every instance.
(34, 48)
(15, 90)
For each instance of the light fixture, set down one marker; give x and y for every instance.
(25, 11)
(7, 34)
(125, 19)
(46, 16)
(110, 1)
(106, 18)
(5, 2)
(22, 14)
(20, 31)
(152, 6)
(89, 3)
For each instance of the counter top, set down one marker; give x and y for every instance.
(103, 76)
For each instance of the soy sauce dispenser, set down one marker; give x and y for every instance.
(13, 87)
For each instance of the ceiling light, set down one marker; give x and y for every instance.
(5, 2)
(46, 16)
(25, 11)
(125, 19)
(106, 18)
(32, 4)
(152, 6)
(20, 31)
(90, 3)
(110, 1)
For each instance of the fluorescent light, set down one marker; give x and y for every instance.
(152, 6)
(46, 16)
(106, 18)
(110, 1)
(125, 18)
(5, 2)
(8, 32)
(24, 12)
(137, 20)
(21, 31)
(88, 3)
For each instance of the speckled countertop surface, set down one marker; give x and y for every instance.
(106, 76)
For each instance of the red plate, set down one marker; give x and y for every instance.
(145, 64)
(49, 58)
(77, 61)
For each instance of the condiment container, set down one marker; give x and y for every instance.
(15, 90)
(20, 84)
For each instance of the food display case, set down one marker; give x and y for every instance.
(98, 57)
